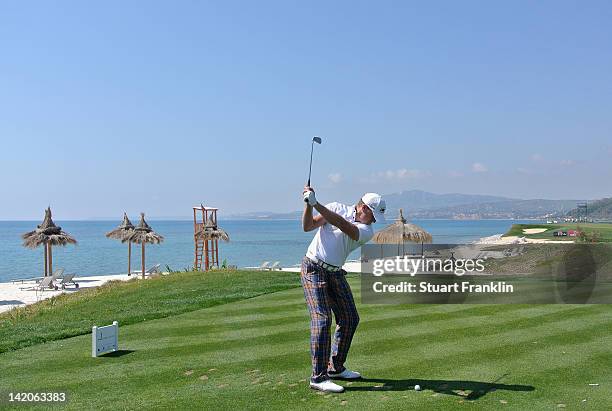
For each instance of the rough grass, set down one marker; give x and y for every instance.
(132, 302)
(254, 354)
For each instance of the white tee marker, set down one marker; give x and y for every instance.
(104, 339)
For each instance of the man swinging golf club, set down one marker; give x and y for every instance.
(341, 229)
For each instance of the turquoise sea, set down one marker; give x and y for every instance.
(252, 242)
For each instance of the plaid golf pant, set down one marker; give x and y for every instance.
(328, 292)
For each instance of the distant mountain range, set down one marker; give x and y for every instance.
(508, 209)
(266, 215)
(422, 200)
(422, 204)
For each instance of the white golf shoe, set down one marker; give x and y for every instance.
(345, 375)
(326, 386)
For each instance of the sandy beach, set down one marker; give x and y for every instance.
(12, 295)
(533, 230)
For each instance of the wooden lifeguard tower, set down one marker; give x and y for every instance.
(206, 250)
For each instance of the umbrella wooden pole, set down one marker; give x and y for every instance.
(403, 235)
(206, 261)
(50, 259)
(129, 257)
(46, 260)
(143, 260)
(217, 251)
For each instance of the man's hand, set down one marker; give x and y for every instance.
(309, 222)
(309, 196)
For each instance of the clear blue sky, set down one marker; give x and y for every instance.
(156, 106)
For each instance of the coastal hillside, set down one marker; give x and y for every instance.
(423, 204)
(599, 209)
(423, 200)
(414, 200)
(507, 209)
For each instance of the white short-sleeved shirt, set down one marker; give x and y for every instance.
(331, 245)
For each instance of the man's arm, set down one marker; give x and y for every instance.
(336, 220)
(309, 222)
(326, 216)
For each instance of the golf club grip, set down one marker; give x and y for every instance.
(308, 184)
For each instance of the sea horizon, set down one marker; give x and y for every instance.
(252, 241)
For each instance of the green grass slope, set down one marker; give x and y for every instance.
(254, 354)
(135, 301)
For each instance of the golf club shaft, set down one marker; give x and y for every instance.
(315, 139)
(310, 167)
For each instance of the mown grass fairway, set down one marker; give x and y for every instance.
(253, 354)
(601, 231)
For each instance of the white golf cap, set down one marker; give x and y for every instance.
(375, 203)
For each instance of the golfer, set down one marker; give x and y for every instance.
(341, 229)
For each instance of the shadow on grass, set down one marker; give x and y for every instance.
(11, 302)
(469, 390)
(118, 353)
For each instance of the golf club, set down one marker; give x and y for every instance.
(314, 140)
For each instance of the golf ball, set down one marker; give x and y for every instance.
(417, 387)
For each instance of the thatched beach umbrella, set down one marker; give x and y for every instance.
(47, 234)
(400, 232)
(212, 232)
(143, 234)
(122, 231)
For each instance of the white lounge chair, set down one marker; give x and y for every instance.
(55, 276)
(275, 266)
(264, 266)
(45, 284)
(152, 270)
(68, 279)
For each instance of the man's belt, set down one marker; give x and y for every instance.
(324, 265)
